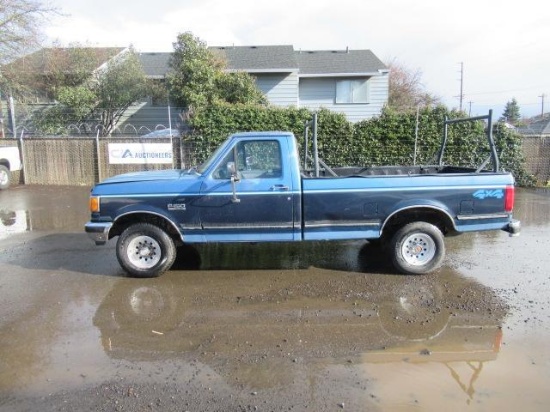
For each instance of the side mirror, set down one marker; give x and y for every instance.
(232, 171)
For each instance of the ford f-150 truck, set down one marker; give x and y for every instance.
(254, 189)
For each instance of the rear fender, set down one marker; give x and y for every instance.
(429, 211)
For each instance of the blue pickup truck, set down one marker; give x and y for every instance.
(253, 188)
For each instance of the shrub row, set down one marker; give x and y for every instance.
(390, 139)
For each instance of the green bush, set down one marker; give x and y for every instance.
(385, 140)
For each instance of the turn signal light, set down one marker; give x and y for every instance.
(94, 204)
(509, 197)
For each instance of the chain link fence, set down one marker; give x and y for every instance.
(537, 158)
(79, 160)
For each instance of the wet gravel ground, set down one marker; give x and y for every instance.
(316, 326)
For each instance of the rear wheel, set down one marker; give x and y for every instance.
(417, 248)
(145, 250)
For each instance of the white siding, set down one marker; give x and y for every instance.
(316, 93)
(281, 89)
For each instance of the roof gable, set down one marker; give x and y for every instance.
(155, 65)
(66, 59)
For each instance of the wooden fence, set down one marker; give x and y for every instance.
(85, 160)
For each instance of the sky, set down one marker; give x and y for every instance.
(502, 46)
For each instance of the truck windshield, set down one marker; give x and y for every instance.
(203, 167)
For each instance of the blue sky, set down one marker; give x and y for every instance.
(504, 46)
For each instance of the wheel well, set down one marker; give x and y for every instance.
(436, 217)
(123, 222)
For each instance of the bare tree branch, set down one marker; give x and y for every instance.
(20, 24)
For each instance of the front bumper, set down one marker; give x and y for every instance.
(98, 231)
(513, 228)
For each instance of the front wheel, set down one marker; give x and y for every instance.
(417, 248)
(145, 250)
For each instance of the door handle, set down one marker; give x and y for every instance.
(279, 188)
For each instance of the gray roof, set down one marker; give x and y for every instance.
(258, 58)
(281, 59)
(155, 65)
(539, 127)
(339, 62)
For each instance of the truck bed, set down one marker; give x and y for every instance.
(391, 171)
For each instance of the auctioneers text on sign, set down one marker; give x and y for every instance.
(140, 153)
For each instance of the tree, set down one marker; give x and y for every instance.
(122, 83)
(20, 23)
(38, 76)
(101, 98)
(511, 112)
(198, 78)
(406, 91)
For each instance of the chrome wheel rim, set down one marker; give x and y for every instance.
(144, 252)
(418, 249)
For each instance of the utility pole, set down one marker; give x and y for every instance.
(542, 96)
(461, 95)
(470, 109)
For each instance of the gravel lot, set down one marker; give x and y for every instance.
(317, 326)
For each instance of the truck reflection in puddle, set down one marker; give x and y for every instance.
(261, 327)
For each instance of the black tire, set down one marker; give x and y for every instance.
(417, 248)
(145, 250)
(5, 177)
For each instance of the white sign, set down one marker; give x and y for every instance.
(140, 153)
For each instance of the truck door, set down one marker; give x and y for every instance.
(248, 195)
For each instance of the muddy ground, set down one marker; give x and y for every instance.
(320, 326)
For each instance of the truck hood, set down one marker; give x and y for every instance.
(150, 176)
(153, 182)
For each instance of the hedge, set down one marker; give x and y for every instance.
(385, 140)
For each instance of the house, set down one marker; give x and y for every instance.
(538, 127)
(352, 82)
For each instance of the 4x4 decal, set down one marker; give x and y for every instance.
(484, 194)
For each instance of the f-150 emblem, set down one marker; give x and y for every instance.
(484, 194)
(176, 206)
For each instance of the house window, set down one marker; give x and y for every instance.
(352, 91)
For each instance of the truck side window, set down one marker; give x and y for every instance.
(259, 159)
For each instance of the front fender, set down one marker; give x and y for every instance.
(143, 212)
